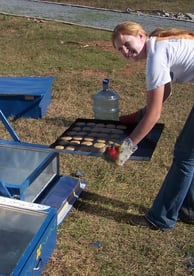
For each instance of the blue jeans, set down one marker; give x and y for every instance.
(176, 196)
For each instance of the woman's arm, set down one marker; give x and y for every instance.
(155, 99)
(138, 115)
(152, 114)
(167, 91)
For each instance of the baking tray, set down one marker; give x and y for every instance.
(90, 136)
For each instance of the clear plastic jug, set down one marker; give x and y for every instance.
(106, 103)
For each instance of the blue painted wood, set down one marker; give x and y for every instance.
(27, 97)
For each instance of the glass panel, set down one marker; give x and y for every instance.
(16, 164)
(17, 229)
(41, 182)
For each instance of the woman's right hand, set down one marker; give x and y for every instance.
(132, 118)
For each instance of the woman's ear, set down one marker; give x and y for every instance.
(141, 35)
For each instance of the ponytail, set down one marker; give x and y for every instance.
(172, 32)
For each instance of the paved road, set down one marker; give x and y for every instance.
(86, 16)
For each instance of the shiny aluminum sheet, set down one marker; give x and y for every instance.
(26, 172)
(18, 228)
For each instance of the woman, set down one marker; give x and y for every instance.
(169, 57)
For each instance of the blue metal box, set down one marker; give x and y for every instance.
(28, 237)
(26, 172)
(30, 172)
(27, 97)
(34, 200)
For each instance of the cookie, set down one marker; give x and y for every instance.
(62, 142)
(117, 131)
(70, 148)
(100, 135)
(77, 142)
(115, 136)
(77, 138)
(91, 124)
(99, 145)
(110, 126)
(101, 141)
(106, 130)
(113, 143)
(121, 127)
(80, 124)
(90, 139)
(100, 125)
(86, 128)
(82, 133)
(59, 147)
(97, 129)
(71, 133)
(94, 134)
(66, 138)
(76, 128)
(87, 143)
(103, 135)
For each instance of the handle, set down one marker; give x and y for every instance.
(38, 266)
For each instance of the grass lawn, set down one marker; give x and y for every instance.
(138, 5)
(79, 58)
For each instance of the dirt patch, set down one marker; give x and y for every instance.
(132, 68)
(128, 70)
(105, 45)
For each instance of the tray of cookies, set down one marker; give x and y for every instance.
(91, 136)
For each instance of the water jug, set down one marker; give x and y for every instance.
(106, 103)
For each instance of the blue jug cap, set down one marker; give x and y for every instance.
(105, 81)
